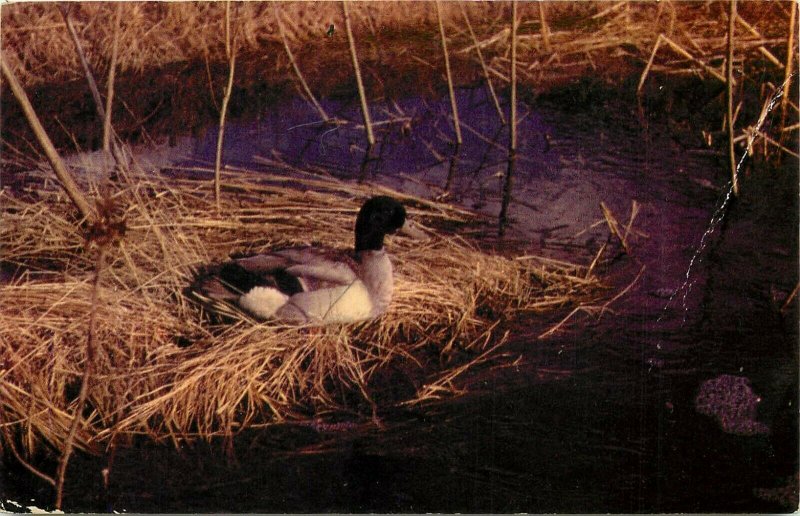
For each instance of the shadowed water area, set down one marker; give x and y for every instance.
(598, 417)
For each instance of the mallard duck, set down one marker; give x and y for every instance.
(310, 285)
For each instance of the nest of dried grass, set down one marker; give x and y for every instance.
(163, 370)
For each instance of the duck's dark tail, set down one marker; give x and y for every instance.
(218, 288)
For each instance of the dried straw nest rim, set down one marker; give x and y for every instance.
(450, 303)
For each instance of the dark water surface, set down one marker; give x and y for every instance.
(599, 418)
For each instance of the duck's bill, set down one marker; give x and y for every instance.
(413, 230)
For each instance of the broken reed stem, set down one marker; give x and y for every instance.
(451, 171)
(296, 68)
(230, 52)
(483, 65)
(766, 53)
(360, 84)
(65, 8)
(60, 169)
(613, 226)
(112, 69)
(787, 81)
(680, 50)
(450, 89)
(91, 346)
(649, 64)
(729, 97)
(512, 142)
(545, 28)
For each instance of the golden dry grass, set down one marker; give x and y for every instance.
(581, 36)
(447, 315)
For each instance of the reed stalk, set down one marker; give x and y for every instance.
(60, 169)
(296, 68)
(649, 64)
(65, 9)
(230, 53)
(450, 89)
(359, 82)
(729, 97)
(102, 111)
(112, 69)
(545, 27)
(488, 79)
(88, 370)
(512, 141)
(789, 70)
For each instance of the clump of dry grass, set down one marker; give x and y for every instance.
(450, 303)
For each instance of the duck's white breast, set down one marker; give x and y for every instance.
(347, 303)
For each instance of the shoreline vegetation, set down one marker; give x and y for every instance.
(99, 347)
(180, 52)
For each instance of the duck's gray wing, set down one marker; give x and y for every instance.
(317, 269)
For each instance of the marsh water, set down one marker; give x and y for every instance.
(599, 417)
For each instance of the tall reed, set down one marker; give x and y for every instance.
(362, 94)
(230, 54)
(512, 141)
(729, 98)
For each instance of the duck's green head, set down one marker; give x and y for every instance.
(378, 216)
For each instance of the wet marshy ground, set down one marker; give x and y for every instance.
(599, 417)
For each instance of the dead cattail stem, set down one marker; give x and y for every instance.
(360, 84)
(512, 142)
(58, 165)
(112, 69)
(729, 97)
(230, 53)
(787, 81)
(483, 65)
(450, 89)
(88, 370)
(545, 28)
(296, 68)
